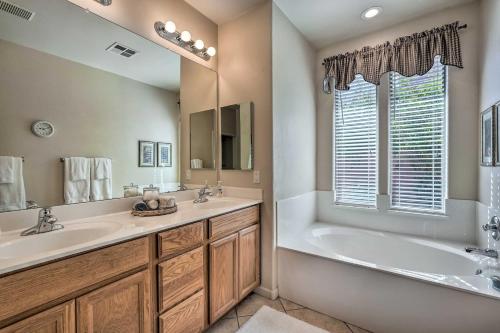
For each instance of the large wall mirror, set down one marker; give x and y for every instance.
(88, 107)
(237, 136)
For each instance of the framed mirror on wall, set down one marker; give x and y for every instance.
(237, 136)
(103, 100)
(202, 139)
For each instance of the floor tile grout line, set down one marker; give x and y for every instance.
(348, 327)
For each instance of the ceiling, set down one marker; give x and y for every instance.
(222, 11)
(67, 31)
(324, 22)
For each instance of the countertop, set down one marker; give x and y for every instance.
(21, 252)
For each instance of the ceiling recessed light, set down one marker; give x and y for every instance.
(371, 13)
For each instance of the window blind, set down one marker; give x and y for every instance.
(355, 148)
(417, 140)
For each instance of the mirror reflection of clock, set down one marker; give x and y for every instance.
(42, 128)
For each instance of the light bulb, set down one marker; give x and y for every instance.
(371, 13)
(186, 36)
(211, 51)
(199, 44)
(170, 27)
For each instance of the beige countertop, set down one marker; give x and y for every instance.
(81, 235)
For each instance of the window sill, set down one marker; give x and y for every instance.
(402, 212)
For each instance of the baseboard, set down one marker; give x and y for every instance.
(268, 293)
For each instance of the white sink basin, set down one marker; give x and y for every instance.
(215, 204)
(72, 234)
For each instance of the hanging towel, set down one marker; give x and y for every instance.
(101, 175)
(13, 194)
(79, 168)
(6, 169)
(102, 168)
(76, 180)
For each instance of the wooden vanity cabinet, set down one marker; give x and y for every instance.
(234, 259)
(176, 281)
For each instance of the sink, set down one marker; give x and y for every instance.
(215, 204)
(72, 234)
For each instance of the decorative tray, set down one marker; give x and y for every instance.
(156, 212)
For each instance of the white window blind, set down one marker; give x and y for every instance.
(418, 140)
(355, 136)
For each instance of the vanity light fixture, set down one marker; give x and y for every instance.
(371, 13)
(168, 31)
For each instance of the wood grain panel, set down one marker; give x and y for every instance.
(187, 317)
(249, 260)
(226, 224)
(121, 307)
(223, 276)
(59, 319)
(180, 277)
(34, 287)
(180, 239)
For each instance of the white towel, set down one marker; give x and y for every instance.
(102, 168)
(79, 168)
(101, 175)
(6, 169)
(13, 195)
(76, 191)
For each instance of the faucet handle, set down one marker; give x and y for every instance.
(493, 225)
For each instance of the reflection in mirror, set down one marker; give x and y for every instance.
(91, 108)
(202, 127)
(236, 137)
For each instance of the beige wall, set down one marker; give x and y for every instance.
(294, 110)
(95, 113)
(245, 74)
(139, 16)
(198, 93)
(463, 102)
(489, 180)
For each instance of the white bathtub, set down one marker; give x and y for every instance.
(382, 281)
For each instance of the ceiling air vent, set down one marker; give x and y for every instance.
(10, 8)
(121, 49)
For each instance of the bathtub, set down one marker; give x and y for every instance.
(382, 281)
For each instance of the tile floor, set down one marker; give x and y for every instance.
(232, 321)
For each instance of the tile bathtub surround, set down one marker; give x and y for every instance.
(232, 321)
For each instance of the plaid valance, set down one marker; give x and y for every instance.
(408, 56)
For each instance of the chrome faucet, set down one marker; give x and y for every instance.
(484, 252)
(203, 194)
(494, 227)
(46, 223)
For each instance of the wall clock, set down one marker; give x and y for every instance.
(42, 128)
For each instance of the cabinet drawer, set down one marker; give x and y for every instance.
(187, 317)
(180, 239)
(34, 287)
(228, 223)
(180, 277)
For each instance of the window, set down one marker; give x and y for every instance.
(418, 140)
(355, 137)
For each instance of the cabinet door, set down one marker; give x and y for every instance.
(59, 319)
(121, 307)
(249, 260)
(223, 276)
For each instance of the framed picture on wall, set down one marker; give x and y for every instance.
(164, 152)
(488, 140)
(146, 154)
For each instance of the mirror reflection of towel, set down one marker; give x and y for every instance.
(12, 191)
(76, 180)
(101, 177)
